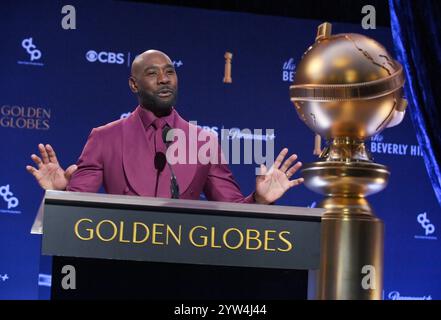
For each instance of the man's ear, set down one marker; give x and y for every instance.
(132, 84)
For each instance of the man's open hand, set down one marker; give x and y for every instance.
(50, 175)
(273, 183)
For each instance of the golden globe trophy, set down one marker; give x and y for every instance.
(347, 88)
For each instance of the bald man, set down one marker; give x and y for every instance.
(121, 155)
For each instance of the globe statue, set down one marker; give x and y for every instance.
(347, 88)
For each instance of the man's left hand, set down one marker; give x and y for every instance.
(273, 183)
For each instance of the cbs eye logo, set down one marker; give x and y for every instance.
(105, 57)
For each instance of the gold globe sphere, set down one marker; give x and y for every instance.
(347, 85)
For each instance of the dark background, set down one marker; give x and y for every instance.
(336, 10)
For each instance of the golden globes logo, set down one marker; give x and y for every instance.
(20, 117)
(198, 236)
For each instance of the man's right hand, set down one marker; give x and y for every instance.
(50, 175)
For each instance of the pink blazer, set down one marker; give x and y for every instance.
(117, 156)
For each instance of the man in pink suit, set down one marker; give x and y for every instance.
(121, 155)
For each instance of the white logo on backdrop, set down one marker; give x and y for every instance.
(313, 204)
(379, 146)
(105, 57)
(125, 115)
(44, 280)
(110, 57)
(8, 197)
(395, 295)
(4, 277)
(429, 228)
(34, 53)
(288, 70)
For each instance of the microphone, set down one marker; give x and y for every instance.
(160, 160)
(174, 186)
(165, 131)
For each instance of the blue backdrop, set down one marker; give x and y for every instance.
(79, 81)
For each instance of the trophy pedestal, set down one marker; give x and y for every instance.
(351, 263)
(352, 243)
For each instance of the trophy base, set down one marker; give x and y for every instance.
(345, 179)
(352, 242)
(351, 266)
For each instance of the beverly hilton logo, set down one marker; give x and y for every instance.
(380, 146)
(288, 70)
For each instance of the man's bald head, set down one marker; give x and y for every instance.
(153, 79)
(145, 58)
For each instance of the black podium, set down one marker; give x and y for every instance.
(126, 247)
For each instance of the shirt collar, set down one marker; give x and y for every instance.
(147, 117)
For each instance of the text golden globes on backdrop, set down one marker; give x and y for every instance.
(227, 72)
(346, 89)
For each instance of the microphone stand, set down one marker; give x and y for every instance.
(174, 186)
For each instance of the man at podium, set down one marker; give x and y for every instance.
(127, 156)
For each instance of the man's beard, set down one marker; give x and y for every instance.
(156, 104)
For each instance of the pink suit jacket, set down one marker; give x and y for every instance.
(119, 157)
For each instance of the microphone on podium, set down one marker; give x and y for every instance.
(160, 160)
(174, 186)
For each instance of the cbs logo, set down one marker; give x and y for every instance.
(105, 57)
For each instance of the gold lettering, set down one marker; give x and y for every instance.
(288, 243)
(90, 236)
(267, 239)
(250, 237)
(121, 232)
(170, 232)
(205, 239)
(98, 230)
(135, 232)
(213, 238)
(155, 232)
(224, 238)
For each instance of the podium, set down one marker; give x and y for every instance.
(127, 247)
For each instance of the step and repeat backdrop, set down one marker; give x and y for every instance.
(56, 84)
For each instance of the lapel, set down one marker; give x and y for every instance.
(184, 173)
(138, 157)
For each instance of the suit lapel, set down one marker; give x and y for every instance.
(184, 173)
(138, 157)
